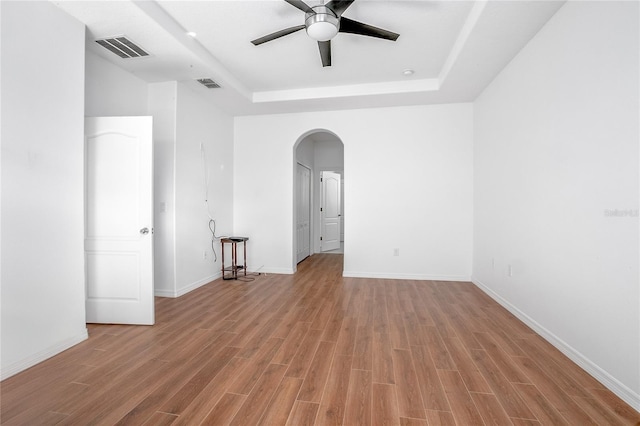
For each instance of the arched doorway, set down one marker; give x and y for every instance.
(316, 152)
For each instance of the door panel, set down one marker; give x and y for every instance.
(114, 268)
(119, 220)
(331, 209)
(112, 168)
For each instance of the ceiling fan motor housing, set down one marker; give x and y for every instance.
(322, 25)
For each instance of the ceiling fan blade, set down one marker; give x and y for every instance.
(301, 5)
(277, 34)
(354, 27)
(339, 6)
(325, 52)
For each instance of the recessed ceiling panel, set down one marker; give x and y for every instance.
(427, 32)
(455, 48)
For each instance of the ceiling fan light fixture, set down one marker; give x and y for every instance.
(322, 25)
(323, 22)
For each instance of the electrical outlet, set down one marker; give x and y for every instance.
(510, 271)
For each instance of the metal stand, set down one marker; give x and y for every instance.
(231, 272)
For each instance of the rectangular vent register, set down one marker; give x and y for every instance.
(122, 47)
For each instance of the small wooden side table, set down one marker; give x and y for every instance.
(231, 272)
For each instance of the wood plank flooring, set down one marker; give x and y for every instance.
(315, 348)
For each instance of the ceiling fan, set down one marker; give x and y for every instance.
(323, 22)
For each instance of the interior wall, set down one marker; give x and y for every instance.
(42, 227)
(112, 91)
(409, 184)
(305, 152)
(182, 120)
(162, 101)
(193, 143)
(557, 189)
(201, 129)
(329, 154)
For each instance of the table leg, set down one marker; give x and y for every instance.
(234, 260)
(244, 259)
(222, 259)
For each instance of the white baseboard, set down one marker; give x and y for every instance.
(401, 276)
(188, 288)
(164, 293)
(283, 271)
(43, 355)
(614, 385)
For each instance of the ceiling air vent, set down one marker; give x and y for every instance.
(208, 83)
(122, 47)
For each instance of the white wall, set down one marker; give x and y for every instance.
(409, 183)
(183, 120)
(112, 91)
(201, 128)
(42, 228)
(305, 152)
(329, 155)
(556, 148)
(162, 106)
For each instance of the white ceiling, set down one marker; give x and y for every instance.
(455, 48)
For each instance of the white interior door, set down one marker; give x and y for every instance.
(119, 220)
(303, 212)
(330, 211)
(342, 209)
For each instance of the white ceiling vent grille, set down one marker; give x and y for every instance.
(208, 83)
(122, 47)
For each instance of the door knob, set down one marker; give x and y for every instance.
(144, 231)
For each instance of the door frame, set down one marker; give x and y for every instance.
(309, 204)
(315, 197)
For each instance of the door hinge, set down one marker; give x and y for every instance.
(320, 179)
(320, 238)
(320, 208)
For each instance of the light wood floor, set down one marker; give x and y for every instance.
(315, 348)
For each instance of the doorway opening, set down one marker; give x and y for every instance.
(318, 195)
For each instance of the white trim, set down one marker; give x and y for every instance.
(216, 276)
(189, 288)
(43, 355)
(614, 385)
(164, 293)
(347, 91)
(284, 271)
(186, 289)
(400, 276)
